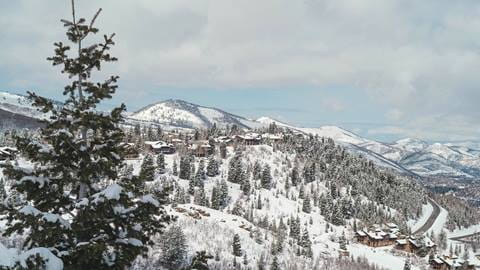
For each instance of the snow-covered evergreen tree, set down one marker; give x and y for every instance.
(75, 174)
(266, 177)
(212, 167)
(161, 163)
(306, 207)
(147, 170)
(407, 265)
(236, 246)
(173, 248)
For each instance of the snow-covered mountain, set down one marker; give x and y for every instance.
(16, 111)
(408, 156)
(174, 112)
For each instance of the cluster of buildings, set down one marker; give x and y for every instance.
(447, 262)
(204, 148)
(389, 235)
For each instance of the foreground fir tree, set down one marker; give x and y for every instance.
(76, 204)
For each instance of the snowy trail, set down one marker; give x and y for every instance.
(431, 220)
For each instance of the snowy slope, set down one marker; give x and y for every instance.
(184, 114)
(16, 111)
(409, 156)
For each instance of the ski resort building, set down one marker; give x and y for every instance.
(248, 139)
(158, 147)
(201, 148)
(414, 244)
(447, 263)
(379, 237)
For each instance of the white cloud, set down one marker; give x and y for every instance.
(419, 57)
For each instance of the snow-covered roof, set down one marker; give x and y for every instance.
(392, 225)
(157, 144)
(272, 136)
(402, 241)
(361, 233)
(250, 136)
(374, 235)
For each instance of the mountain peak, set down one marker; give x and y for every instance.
(184, 114)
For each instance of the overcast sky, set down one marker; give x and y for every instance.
(382, 68)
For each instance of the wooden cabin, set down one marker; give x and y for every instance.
(413, 244)
(248, 139)
(376, 238)
(158, 147)
(447, 263)
(228, 141)
(269, 138)
(201, 148)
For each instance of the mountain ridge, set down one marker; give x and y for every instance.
(407, 156)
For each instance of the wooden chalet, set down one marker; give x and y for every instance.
(271, 138)
(228, 141)
(158, 147)
(447, 263)
(7, 153)
(248, 139)
(201, 148)
(413, 244)
(376, 238)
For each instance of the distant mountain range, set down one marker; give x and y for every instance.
(408, 156)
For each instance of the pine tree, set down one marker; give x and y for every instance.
(185, 168)
(266, 177)
(306, 244)
(147, 170)
(215, 199)
(161, 163)
(212, 167)
(191, 187)
(175, 168)
(200, 197)
(235, 169)
(307, 208)
(236, 245)
(275, 265)
(174, 248)
(77, 158)
(407, 265)
(223, 193)
(257, 171)
(294, 178)
(246, 187)
(343, 242)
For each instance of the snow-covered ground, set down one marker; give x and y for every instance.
(383, 257)
(427, 210)
(464, 231)
(439, 223)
